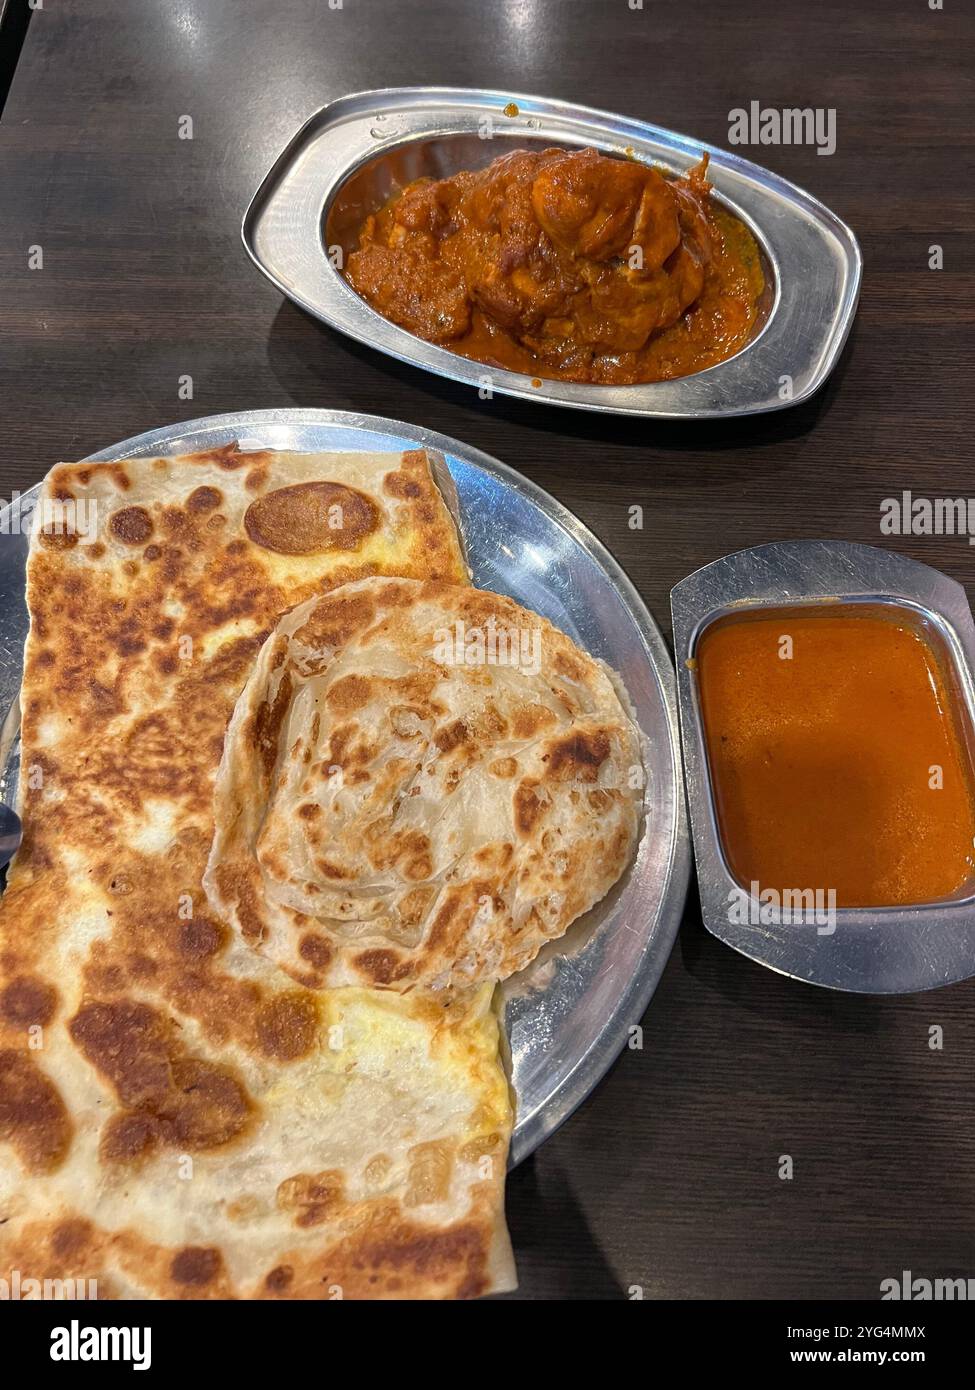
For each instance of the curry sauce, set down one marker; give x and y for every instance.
(568, 265)
(836, 756)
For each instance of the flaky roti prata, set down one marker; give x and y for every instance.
(421, 785)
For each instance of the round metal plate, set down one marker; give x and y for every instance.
(567, 1016)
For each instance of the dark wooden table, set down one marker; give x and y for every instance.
(668, 1177)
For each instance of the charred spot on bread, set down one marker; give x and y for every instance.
(308, 518)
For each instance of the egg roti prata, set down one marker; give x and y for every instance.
(421, 785)
(177, 1117)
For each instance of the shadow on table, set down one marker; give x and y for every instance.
(776, 998)
(544, 1219)
(302, 355)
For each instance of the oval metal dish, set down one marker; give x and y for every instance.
(350, 157)
(567, 1016)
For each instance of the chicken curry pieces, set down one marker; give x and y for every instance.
(565, 264)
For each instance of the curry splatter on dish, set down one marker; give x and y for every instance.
(565, 264)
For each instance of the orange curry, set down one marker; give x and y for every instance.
(835, 756)
(565, 264)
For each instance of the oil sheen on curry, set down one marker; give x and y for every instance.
(835, 755)
(569, 265)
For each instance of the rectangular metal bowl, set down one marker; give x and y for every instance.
(350, 157)
(884, 950)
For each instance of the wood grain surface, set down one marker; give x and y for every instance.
(668, 1177)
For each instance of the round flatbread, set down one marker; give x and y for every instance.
(422, 783)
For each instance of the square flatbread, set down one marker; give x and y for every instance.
(178, 1118)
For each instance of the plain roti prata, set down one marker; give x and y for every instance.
(421, 785)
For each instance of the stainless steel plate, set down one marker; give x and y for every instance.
(567, 1015)
(888, 950)
(351, 156)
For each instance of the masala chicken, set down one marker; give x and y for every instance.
(565, 264)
